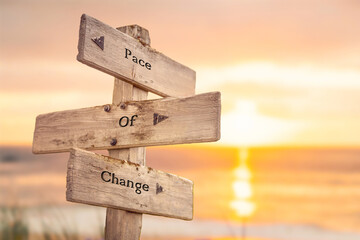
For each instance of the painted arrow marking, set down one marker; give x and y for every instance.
(99, 41)
(159, 188)
(159, 118)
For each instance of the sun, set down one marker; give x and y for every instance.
(246, 126)
(243, 192)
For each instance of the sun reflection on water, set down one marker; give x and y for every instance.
(242, 204)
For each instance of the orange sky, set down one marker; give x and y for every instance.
(288, 70)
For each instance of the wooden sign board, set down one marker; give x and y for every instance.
(132, 124)
(108, 182)
(116, 53)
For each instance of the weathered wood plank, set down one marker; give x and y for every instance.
(104, 181)
(155, 72)
(133, 124)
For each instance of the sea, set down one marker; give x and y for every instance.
(267, 193)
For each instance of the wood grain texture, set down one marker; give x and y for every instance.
(190, 120)
(122, 224)
(95, 179)
(137, 32)
(166, 77)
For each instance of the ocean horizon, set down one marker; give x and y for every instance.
(279, 193)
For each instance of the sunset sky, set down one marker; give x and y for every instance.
(288, 71)
(289, 77)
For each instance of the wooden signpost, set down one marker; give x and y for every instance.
(122, 182)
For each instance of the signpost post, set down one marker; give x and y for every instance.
(122, 182)
(121, 224)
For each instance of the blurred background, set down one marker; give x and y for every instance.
(288, 164)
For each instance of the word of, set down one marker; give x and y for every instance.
(105, 176)
(135, 60)
(127, 120)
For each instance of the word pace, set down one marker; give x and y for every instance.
(110, 177)
(135, 60)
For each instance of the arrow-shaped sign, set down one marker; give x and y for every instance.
(126, 58)
(104, 181)
(132, 124)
